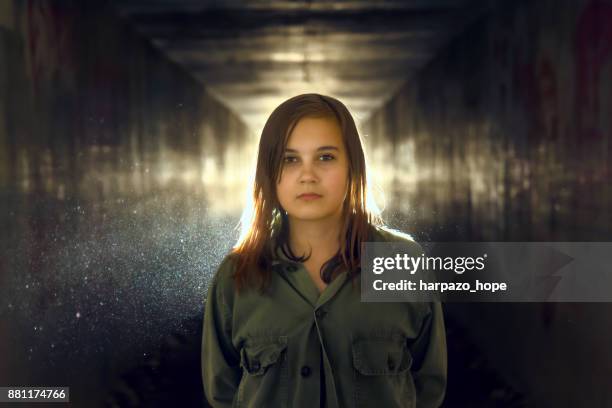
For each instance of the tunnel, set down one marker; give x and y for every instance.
(128, 139)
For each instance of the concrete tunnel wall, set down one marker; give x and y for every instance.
(97, 125)
(506, 135)
(82, 96)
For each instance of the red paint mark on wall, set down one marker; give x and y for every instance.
(593, 48)
(48, 34)
(536, 82)
(548, 118)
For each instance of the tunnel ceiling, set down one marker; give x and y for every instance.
(252, 55)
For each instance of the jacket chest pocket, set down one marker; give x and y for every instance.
(264, 373)
(381, 373)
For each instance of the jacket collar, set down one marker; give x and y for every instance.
(375, 234)
(296, 274)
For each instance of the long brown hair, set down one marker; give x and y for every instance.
(268, 222)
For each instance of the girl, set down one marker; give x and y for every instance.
(283, 322)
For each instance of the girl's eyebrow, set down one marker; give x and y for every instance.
(319, 149)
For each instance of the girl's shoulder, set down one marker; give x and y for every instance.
(388, 234)
(223, 275)
(391, 235)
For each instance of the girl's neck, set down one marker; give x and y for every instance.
(322, 237)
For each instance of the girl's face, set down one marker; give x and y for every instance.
(314, 176)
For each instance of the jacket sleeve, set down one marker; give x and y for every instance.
(221, 370)
(430, 360)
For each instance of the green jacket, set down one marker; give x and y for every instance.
(296, 347)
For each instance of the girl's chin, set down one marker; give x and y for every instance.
(310, 215)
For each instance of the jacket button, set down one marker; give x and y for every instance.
(291, 268)
(305, 371)
(320, 313)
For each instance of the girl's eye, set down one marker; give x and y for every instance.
(295, 159)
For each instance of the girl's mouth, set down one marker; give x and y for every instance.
(309, 196)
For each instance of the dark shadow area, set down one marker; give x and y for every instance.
(171, 375)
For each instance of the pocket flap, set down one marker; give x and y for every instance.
(255, 357)
(381, 356)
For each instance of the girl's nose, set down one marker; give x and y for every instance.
(307, 174)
